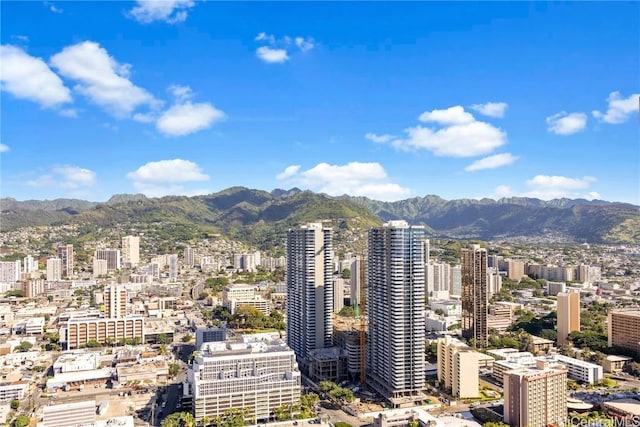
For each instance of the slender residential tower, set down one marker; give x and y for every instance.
(65, 253)
(395, 277)
(568, 314)
(309, 290)
(475, 295)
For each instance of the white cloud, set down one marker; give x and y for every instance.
(55, 9)
(288, 172)
(181, 93)
(265, 37)
(69, 112)
(169, 11)
(303, 44)
(355, 179)
(3, 148)
(503, 191)
(457, 134)
(277, 50)
(144, 117)
(65, 177)
(28, 77)
(619, 109)
(466, 140)
(272, 56)
(491, 109)
(451, 116)
(547, 187)
(168, 171)
(103, 80)
(564, 123)
(379, 139)
(186, 118)
(492, 162)
(165, 177)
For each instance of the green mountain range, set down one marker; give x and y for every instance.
(261, 218)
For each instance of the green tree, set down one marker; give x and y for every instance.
(347, 311)
(21, 421)
(346, 274)
(164, 339)
(174, 368)
(23, 347)
(342, 424)
(92, 344)
(439, 311)
(15, 404)
(187, 338)
(326, 386)
(179, 419)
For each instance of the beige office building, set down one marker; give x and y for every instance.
(76, 332)
(458, 368)
(568, 314)
(624, 329)
(535, 397)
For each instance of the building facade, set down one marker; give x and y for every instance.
(65, 253)
(258, 377)
(458, 368)
(9, 271)
(624, 329)
(395, 306)
(131, 250)
(475, 298)
(115, 301)
(112, 256)
(309, 277)
(535, 397)
(76, 332)
(568, 314)
(54, 269)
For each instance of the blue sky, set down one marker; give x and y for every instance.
(386, 100)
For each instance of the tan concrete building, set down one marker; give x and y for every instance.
(115, 300)
(535, 397)
(624, 329)
(568, 314)
(515, 269)
(458, 367)
(78, 331)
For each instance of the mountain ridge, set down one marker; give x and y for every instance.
(258, 215)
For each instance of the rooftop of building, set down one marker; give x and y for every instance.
(329, 353)
(628, 312)
(239, 286)
(616, 358)
(219, 349)
(536, 371)
(627, 406)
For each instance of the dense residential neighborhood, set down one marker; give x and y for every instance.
(222, 331)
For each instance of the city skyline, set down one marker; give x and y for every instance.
(384, 100)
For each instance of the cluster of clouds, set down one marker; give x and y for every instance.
(355, 179)
(456, 132)
(619, 109)
(154, 179)
(278, 50)
(547, 187)
(169, 11)
(86, 70)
